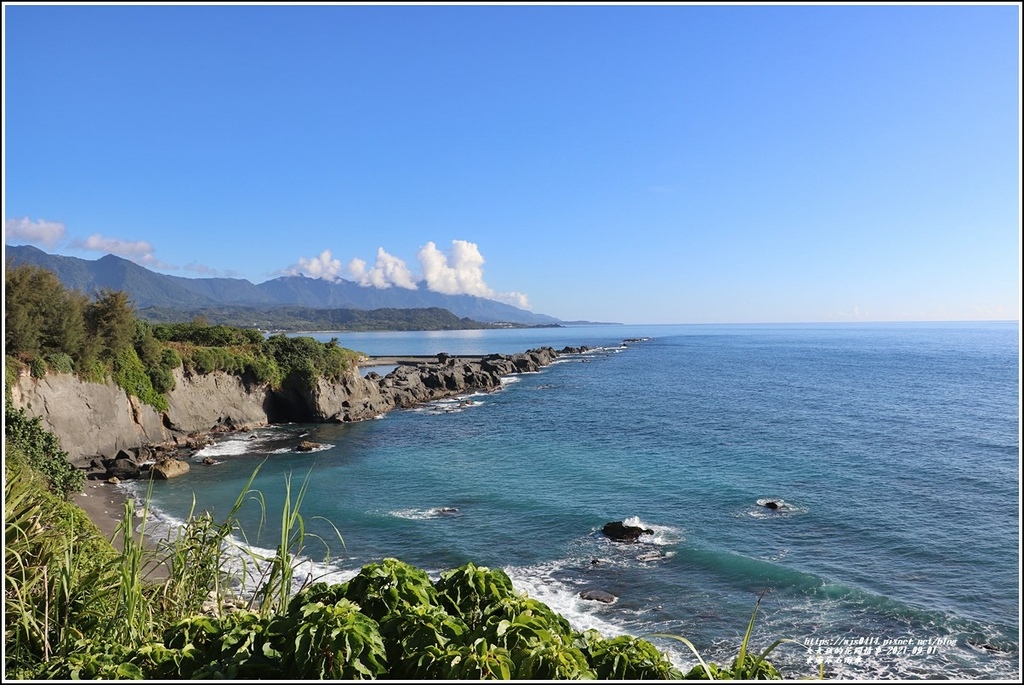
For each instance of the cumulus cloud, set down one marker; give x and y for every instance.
(322, 266)
(48, 233)
(138, 251)
(514, 298)
(461, 273)
(388, 271)
(458, 273)
(123, 248)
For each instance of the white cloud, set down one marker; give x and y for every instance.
(48, 233)
(124, 248)
(138, 251)
(388, 270)
(462, 273)
(516, 299)
(322, 266)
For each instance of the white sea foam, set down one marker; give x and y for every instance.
(231, 447)
(663, 535)
(453, 405)
(423, 514)
(762, 511)
(245, 563)
(563, 597)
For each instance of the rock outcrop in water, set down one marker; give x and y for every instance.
(622, 532)
(100, 419)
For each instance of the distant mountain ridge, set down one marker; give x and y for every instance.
(150, 289)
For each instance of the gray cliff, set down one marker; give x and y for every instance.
(92, 419)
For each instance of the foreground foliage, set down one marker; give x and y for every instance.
(74, 607)
(66, 620)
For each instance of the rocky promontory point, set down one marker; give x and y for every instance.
(99, 420)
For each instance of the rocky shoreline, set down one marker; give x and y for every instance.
(113, 437)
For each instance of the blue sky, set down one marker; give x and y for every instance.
(642, 164)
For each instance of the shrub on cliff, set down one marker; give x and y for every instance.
(203, 335)
(302, 359)
(27, 443)
(133, 378)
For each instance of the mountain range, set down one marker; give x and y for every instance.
(150, 289)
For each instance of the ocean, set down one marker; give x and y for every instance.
(892, 451)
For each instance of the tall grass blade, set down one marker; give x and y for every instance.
(693, 649)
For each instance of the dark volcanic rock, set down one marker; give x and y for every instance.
(123, 467)
(620, 532)
(598, 596)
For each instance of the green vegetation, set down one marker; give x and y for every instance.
(50, 328)
(31, 448)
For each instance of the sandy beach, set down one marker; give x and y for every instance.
(103, 502)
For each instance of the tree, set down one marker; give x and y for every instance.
(41, 316)
(111, 320)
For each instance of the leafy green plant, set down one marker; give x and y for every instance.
(132, 377)
(481, 661)
(418, 640)
(472, 592)
(626, 658)
(235, 646)
(28, 443)
(389, 587)
(335, 641)
(37, 367)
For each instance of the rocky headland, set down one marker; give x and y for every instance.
(102, 426)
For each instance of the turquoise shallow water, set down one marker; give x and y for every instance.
(894, 449)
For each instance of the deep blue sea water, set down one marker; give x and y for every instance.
(893, 448)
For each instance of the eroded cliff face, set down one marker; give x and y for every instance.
(101, 419)
(93, 419)
(88, 418)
